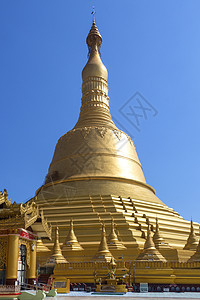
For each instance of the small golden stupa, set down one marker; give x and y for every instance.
(56, 256)
(192, 241)
(113, 241)
(103, 253)
(150, 253)
(95, 176)
(71, 243)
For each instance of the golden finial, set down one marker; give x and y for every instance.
(93, 13)
(191, 225)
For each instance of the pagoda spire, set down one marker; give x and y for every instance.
(95, 110)
(158, 239)
(93, 13)
(56, 256)
(150, 253)
(71, 242)
(113, 241)
(192, 240)
(103, 252)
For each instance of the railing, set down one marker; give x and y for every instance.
(38, 286)
(8, 289)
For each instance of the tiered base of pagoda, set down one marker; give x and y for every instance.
(131, 217)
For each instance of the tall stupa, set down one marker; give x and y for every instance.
(96, 179)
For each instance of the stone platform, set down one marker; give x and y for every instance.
(141, 296)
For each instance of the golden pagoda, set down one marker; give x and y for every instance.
(56, 256)
(192, 241)
(95, 176)
(113, 241)
(103, 253)
(150, 253)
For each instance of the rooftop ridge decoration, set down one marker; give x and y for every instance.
(4, 198)
(14, 215)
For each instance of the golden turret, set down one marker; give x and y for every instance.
(158, 239)
(103, 252)
(150, 253)
(192, 240)
(56, 256)
(113, 241)
(71, 242)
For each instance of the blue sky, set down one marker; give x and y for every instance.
(150, 47)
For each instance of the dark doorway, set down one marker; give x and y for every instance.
(22, 267)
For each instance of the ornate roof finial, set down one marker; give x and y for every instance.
(93, 13)
(94, 39)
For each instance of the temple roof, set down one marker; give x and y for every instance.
(13, 215)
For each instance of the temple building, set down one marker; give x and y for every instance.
(99, 205)
(20, 227)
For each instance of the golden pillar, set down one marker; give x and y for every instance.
(12, 262)
(32, 268)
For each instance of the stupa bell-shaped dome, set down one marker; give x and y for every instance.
(95, 150)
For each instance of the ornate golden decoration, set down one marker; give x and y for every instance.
(47, 227)
(3, 251)
(21, 215)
